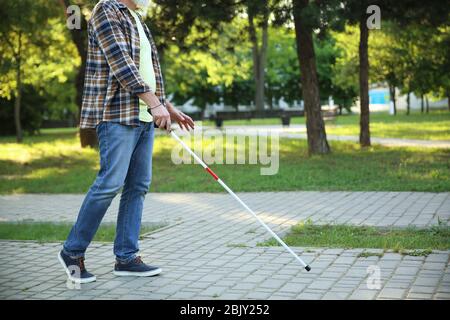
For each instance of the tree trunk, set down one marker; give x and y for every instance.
(427, 104)
(422, 107)
(317, 138)
(408, 103)
(18, 100)
(394, 100)
(364, 136)
(262, 65)
(448, 99)
(259, 58)
(270, 99)
(17, 105)
(88, 137)
(392, 97)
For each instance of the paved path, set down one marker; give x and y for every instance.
(281, 209)
(209, 250)
(299, 132)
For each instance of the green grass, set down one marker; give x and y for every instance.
(54, 232)
(413, 253)
(237, 245)
(432, 126)
(418, 253)
(345, 236)
(54, 162)
(367, 254)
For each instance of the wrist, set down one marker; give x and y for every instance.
(156, 106)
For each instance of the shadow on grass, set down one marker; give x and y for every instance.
(62, 166)
(51, 174)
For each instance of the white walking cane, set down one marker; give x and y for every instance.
(200, 161)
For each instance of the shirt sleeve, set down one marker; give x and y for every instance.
(112, 41)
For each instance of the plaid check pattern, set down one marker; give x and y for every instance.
(112, 80)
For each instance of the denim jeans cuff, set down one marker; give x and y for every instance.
(73, 255)
(125, 260)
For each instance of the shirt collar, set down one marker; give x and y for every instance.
(119, 4)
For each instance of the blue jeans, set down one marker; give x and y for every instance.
(125, 161)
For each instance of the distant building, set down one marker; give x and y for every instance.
(379, 100)
(379, 96)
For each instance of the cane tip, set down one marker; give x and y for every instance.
(308, 268)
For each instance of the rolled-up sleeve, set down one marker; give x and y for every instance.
(109, 34)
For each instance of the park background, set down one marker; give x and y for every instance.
(365, 110)
(240, 59)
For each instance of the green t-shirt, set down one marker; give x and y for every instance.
(145, 68)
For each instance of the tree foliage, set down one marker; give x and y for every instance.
(35, 51)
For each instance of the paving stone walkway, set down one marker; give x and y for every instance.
(209, 250)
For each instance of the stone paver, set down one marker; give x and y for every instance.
(202, 255)
(279, 209)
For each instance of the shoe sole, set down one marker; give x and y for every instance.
(151, 273)
(71, 278)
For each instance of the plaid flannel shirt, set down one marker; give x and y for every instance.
(112, 80)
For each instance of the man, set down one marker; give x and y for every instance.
(123, 98)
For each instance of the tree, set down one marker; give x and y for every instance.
(260, 8)
(283, 81)
(432, 67)
(13, 30)
(317, 138)
(174, 23)
(442, 43)
(30, 55)
(364, 135)
(355, 13)
(388, 57)
(219, 72)
(406, 54)
(176, 18)
(429, 22)
(88, 137)
(346, 69)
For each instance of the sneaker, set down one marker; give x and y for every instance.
(69, 264)
(136, 268)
